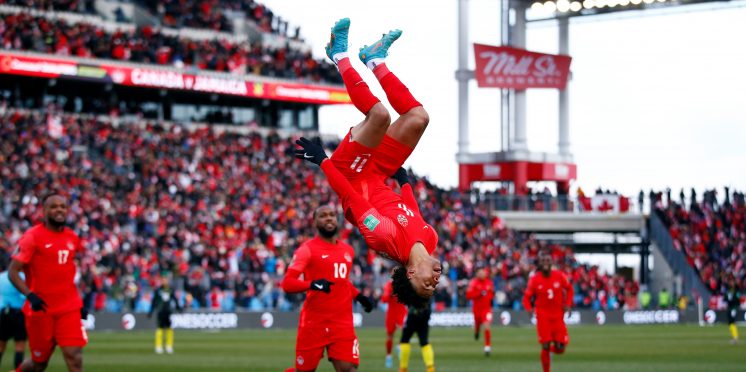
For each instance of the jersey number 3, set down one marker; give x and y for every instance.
(340, 270)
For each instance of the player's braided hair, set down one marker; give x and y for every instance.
(404, 290)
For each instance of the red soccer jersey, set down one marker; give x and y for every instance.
(481, 292)
(317, 259)
(396, 309)
(550, 294)
(49, 259)
(394, 219)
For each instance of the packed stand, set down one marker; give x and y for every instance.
(221, 214)
(712, 234)
(148, 45)
(78, 6)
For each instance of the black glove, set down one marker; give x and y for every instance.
(83, 313)
(36, 303)
(365, 302)
(401, 176)
(310, 151)
(321, 285)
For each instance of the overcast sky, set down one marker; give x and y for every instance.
(658, 98)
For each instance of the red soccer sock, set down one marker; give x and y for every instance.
(397, 93)
(389, 346)
(359, 91)
(545, 360)
(487, 335)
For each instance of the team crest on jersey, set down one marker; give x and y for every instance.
(70, 245)
(556, 285)
(402, 220)
(348, 257)
(371, 222)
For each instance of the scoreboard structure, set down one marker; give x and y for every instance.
(513, 69)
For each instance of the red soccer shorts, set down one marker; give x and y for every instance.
(394, 319)
(483, 317)
(353, 159)
(550, 330)
(47, 330)
(340, 344)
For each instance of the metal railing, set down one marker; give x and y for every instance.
(692, 284)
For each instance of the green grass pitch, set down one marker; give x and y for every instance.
(608, 348)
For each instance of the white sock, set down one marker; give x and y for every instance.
(375, 62)
(339, 56)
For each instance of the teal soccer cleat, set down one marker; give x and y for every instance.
(338, 40)
(379, 49)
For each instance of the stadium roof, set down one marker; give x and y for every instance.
(541, 10)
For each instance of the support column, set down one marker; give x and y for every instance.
(505, 93)
(564, 94)
(518, 37)
(462, 76)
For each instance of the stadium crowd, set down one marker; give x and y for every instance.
(147, 44)
(711, 233)
(79, 6)
(221, 214)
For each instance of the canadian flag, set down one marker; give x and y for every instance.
(54, 126)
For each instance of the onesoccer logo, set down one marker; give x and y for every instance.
(710, 317)
(600, 318)
(268, 320)
(505, 318)
(371, 222)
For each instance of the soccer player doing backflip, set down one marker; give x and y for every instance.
(372, 151)
(551, 295)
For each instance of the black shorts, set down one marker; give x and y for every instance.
(163, 320)
(417, 322)
(12, 325)
(732, 313)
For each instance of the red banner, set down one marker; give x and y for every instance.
(169, 79)
(506, 67)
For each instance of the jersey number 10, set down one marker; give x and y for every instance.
(340, 270)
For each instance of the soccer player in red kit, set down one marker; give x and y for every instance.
(326, 317)
(372, 151)
(46, 254)
(551, 294)
(395, 314)
(481, 291)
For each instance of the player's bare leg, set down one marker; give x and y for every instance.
(342, 366)
(413, 118)
(73, 358)
(559, 348)
(371, 130)
(389, 347)
(29, 365)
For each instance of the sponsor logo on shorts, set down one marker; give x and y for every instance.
(371, 222)
(37, 353)
(300, 360)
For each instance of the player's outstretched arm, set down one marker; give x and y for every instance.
(528, 296)
(310, 151)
